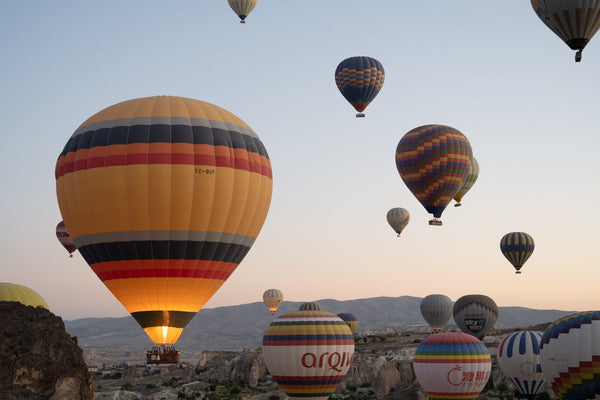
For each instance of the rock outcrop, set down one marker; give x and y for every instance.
(38, 358)
(228, 366)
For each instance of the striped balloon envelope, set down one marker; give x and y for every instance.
(575, 22)
(398, 218)
(517, 247)
(519, 359)
(436, 309)
(359, 79)
(350, 320)
(570, 356)
(469, 182)
(434, 161)
(242, 8)
(308, 353)
(310, 306)
(452, 365)
(21, 294)
(64, 238)
(163, 197)
(475, 314)
(272, 299)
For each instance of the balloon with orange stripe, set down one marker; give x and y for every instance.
(452, 365)
(163, 197)
(308, 353)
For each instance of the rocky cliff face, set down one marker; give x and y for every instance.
(38, 359)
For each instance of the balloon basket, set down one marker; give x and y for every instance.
(242, 22)
(517, 272)
(578, 56)
(458, 205)
(70, 255)
(162, 354)
(360, 115)
(435, 222)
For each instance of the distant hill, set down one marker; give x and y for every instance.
(242, 326)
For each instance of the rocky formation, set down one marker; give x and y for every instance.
(228, 366)
(38, 359)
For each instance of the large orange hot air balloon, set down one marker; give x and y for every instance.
(163, 197)
(434, 161)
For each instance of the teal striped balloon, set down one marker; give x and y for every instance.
(398, 219)
(469, 182)
(517, 247)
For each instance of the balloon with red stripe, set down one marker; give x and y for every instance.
(308, 353)
(163, 197)
(570, 356)
(65, 239)
(452, 365)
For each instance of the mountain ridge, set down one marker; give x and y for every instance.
(242, 326)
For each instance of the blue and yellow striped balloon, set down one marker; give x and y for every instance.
(517, 247)
(308, 353)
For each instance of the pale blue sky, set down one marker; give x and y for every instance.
(489, 69)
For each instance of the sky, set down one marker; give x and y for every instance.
(489, 69)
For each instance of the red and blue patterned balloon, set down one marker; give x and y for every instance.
(359, 79)
(434, 161)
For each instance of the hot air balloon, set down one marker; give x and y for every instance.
(272, 299)
(359, 79)
(434, 161)
(310, 306)
(242, 8)
(21, 294)
(517, 247)
(475, 314)
(64, 238)
(398, 219)
(452, 365)
(163, 197)
(469, 182)
(308, 353)
(570, 354)
(436, 309)
(575, 22)
(350, 320)
(519, 359)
